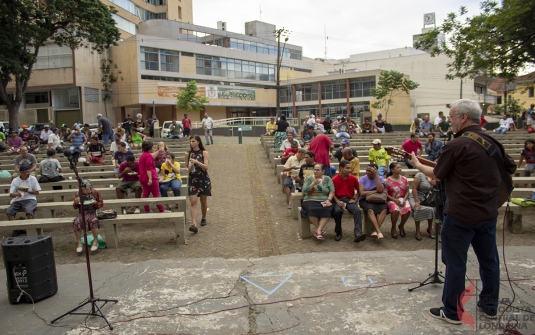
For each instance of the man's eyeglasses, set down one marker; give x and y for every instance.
(318, 170)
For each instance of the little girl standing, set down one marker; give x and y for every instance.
(528, 154)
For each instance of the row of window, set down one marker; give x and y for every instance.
(124, 24)
(234, 68)
(358, 87)
(201, 81)
(96, 95)
(52, 56)
(159, 59)
(238, 44)
(332, 110)
(142, 13)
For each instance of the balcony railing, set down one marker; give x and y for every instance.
(236, 121)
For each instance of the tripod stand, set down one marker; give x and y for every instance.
(435, 277)
(95, 308)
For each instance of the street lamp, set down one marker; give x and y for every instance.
(278, 33)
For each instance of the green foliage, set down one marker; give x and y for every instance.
(514, 107)
(25, 26)
(391, 83)
(499, 42)
(187, 99)
(108, 78)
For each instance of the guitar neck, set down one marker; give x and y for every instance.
(424, 161)
(400, 155)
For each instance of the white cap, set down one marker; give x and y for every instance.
(99, 115)
(376, 141)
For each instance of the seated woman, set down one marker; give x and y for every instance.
(369, 184)
(136, 138)
(367, 127)
(91, 200)
(420, 187)
(120, 130)
(318, 193)
(170, 176)
(160, 155)
(397, 187)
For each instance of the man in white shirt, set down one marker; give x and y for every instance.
(54, 141)
(292, 166)
(287, 143)
(207, 126)
(45, 133)
(504, 125)
(438, 119)
(23, 192)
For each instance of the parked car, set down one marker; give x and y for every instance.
(94, 130)
(38, 127)
(164, 130)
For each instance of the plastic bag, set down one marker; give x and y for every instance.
(523, 202)
(101, 242)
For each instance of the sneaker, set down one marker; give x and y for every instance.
(166, 211)
(318, 236)
(137, 211)
(488, 316)
(194, 229)
(124, 211)
(86, 164)
(438, 313)
(203, 222)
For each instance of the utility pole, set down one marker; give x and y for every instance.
(278, 33)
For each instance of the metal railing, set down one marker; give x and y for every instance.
(237, 121)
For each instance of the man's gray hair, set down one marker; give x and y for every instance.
(469, 107)
(348, 150)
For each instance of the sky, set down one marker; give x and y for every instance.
(352, 26)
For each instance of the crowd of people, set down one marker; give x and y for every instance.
(154, 172)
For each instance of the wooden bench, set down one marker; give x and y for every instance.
(109, 233)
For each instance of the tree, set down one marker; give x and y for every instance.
(109, 77)
(25, 26)
(391, 84)
(187, 99)
(499, 42)
(512, 107)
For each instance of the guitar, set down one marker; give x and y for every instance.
(400, 155)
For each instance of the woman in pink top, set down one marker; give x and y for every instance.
(148, 176)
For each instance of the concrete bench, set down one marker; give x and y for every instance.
(35, 227)
(513, 222)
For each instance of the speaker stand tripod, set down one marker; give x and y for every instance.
(96, 310)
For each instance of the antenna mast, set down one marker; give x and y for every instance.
(326, 38)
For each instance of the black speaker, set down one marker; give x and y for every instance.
(29, 261)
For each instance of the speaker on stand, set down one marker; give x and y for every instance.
(29, 261)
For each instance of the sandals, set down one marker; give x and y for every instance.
(401, 231)
(318, 236)
(79, 249)
(432, 236)
(94, 247)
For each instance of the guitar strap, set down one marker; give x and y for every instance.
(493, 152)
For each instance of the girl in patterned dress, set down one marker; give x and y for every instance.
(199, 184)
(397, 187)
(91, 200)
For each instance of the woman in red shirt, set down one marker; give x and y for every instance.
(148, 176)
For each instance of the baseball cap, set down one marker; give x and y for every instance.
(64, 125)
(99, 115)
(24, 126)
(25, 167)
(31, 130)
(345, 141)
(54, 129)
(310, 126)
(328, 117)
(379, 114)
(86, 125)
(376, 141)
(338, 117)
(47, 126)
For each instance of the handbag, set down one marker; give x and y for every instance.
(430, 198)
(106, 214)
(376, 198)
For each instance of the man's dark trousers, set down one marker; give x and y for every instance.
(352, 208)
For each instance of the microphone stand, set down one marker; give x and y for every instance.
(435, 277)
(96, 310)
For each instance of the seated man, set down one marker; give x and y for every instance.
(530, 123)
(14, 143)
(176, 130)
(412, 146)
(344, 144)
(292, 166)
(77, 139)
(378, 155)
(426, 126)
(367, 127)
(120, 156)
(444, 129)
(306, 169)
(114, 147)
(346, 194)
(54, 141)
(290, 152)
(44, 134)
(32, 142)
(504, 125)
(271, 127)
(308, 134)
(25, 158)
(343, 129)
(433, 147)
(129, 175)
(65, 132)
(23, 190)
(353, 161)
(96, 153)
(50, 169)
(287, 143)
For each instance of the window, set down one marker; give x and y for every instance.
(480, 89)
(498, 100)
(306, 92)
(360, 87)
(169, 61)
(285, 94)
(138, 11)
(149, 58)
(179, 13)
(333, 90)
(124, 24)
(91, 94)
(36, 98)
(52, 56)
(187, 54)
(530, 92)
(234, 68)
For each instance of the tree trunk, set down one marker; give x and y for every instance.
(13, 109)
(105, 109)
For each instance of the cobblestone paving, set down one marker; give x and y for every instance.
(247, 218)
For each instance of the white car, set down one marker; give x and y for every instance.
(164, 131)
